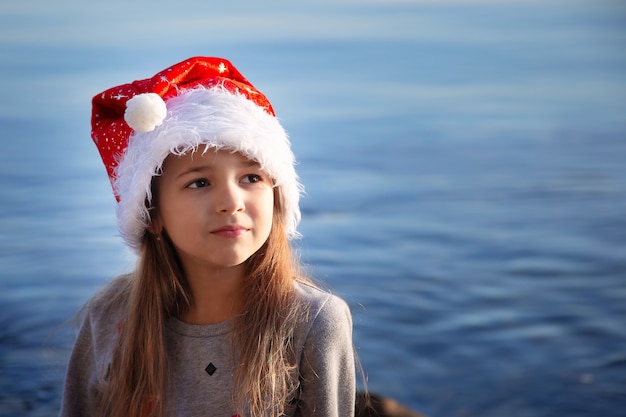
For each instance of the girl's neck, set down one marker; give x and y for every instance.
(216, 296)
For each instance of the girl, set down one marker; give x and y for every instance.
(217, 319)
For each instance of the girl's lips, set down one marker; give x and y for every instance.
(230, 231)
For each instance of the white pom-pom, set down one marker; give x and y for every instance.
(144, 112)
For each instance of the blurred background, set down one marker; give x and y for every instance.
(465, 174)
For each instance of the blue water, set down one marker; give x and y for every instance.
(464, 164)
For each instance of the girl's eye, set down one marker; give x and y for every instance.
(198, 184)
(252, 178)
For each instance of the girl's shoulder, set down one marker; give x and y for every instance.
(108, 306)
(113, 296)
(323, 307)
(310, 293)
(324, 336)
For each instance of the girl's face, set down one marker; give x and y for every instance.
(215, 206)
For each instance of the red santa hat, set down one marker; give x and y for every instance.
(200, 102)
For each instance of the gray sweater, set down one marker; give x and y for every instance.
(201, 362)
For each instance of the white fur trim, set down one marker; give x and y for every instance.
(145, 111)
(214, 118)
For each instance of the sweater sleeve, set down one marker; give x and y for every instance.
(327, 368)
(90, 359)
(80, 379)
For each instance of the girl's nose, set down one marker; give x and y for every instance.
(230, 200)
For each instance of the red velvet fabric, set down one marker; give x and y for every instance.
(110, 132)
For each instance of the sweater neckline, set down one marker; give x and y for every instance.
(199, 330)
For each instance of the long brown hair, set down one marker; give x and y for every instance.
(264, 369)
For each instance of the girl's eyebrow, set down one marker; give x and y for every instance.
(248, 163)
(195, 169)
(251, 163)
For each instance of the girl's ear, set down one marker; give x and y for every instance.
(155, 227)
(154, 231)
